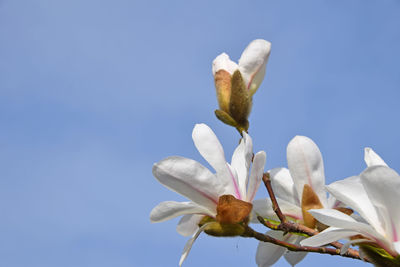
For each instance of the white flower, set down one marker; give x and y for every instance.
(297, 189)
(204, 188)
(375, 196)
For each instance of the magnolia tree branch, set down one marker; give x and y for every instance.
(290, 227)
(267, 182)
(292, 247)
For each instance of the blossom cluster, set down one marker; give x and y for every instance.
(359, 210)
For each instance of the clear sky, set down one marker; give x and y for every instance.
(93, 92)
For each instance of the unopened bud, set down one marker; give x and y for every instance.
(236, 83)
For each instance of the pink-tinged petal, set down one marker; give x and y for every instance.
(190, 242)
(351, 192)
(306, 166)
(382, 186)
(170, 209)
(283, 186)
(263, 208)
(257, 171)
(327, 236)
(241, 160)
(268, 253)
(189, 224)
(293, 257)
(252, 63)
(372, 159)
(338, 219)
(223, 62)
(190, 179)
(231, 184)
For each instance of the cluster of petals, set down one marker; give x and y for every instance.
(305, 167)
(203, 187)
(374, 195)
(252, 63)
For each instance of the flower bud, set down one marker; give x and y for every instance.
(236, 83)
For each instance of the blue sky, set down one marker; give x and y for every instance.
(92, 93)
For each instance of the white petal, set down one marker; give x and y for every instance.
(257, 170)
(293, 257)
(241, 160)
(338, 219)
(190, 179)
(190, 242)
(230, 183)
(268, 253)
(397, 246)
(189, 224)
(170, 209)
(332, 202)
(211, 149)
(347, 245)
(252, 63)
(283, 186)
(327, 236)
(382, 185)
(306, 166)
(372, 159)
(351, 192)
(209, 146)
(263, 208)
(223, 62)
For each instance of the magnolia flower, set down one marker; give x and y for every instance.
(375, 196)
(223, 197)
(297, 189)
(237, 83)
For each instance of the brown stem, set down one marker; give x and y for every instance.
(267, 182)
(249, 232)
(291, 227)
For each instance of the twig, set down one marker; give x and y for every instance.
(292, 247)
(267, 182)
(288, 226)
(291, 227)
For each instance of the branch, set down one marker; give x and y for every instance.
(290, 227)
(267, 182)
(249, 232)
